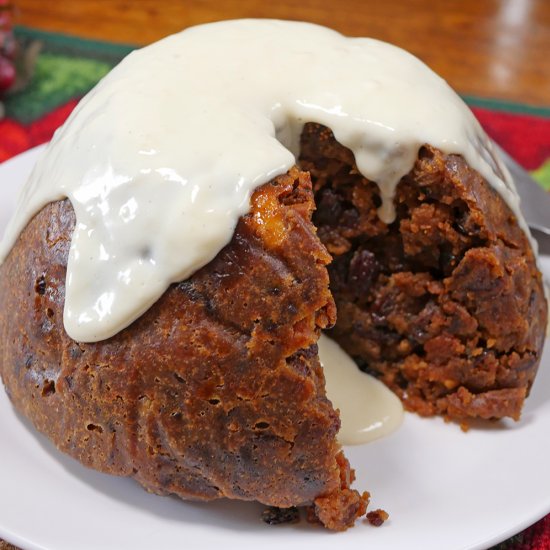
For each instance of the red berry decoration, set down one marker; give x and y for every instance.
(7, 74)
(5, 18)
(7, 47)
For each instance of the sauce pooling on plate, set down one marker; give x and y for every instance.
(368, 409)
(159, 160)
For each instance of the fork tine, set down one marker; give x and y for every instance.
(535, 202)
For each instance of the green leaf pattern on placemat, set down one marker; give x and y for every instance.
(57, 79)
(542, 175)
(66, 68)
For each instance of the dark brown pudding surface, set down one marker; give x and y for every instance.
(217, 390)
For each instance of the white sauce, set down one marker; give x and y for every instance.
(368, 410)
(160, 159)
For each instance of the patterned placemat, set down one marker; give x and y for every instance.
(67, 67)
(64, 68)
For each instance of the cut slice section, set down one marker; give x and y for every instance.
(446, 304)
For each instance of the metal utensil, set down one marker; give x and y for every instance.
(535, 202)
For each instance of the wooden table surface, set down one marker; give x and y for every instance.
(489, 48)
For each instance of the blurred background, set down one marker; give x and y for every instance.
(493, 48)
(495, 53)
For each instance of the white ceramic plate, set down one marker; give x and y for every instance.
(444, 490)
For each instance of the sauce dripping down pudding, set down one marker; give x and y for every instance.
(160, 159)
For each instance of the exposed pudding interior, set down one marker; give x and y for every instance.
(415, 299)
